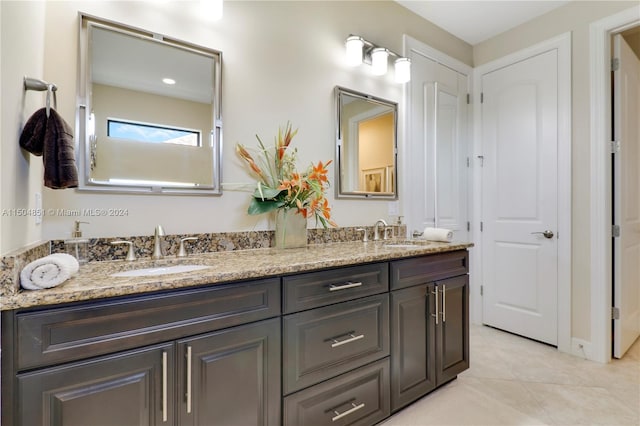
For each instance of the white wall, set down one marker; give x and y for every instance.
(281, 61)
(575, 17)
(22, 46)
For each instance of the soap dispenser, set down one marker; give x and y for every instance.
(77, 246)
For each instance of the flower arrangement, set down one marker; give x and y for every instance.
(281, 186)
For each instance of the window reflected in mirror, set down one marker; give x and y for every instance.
(366, 145)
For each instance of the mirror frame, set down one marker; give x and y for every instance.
(83, 105)
(340, 92)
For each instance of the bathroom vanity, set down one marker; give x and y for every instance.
(339, 334)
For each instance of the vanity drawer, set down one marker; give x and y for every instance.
(80, 331)
(360, 397)
(325, 342)
(421, 270)
(314, 289)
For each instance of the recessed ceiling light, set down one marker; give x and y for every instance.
(168, 81)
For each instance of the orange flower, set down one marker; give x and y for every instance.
(281, 187)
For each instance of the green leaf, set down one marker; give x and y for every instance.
(264, 192)
(256, 206)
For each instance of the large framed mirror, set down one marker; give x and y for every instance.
(366, 146)
(148, 112)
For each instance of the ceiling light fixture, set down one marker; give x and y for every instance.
(168, 81)
(211, 9)
(359, 50)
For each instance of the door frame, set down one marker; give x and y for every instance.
(600, 33)
(563, 44)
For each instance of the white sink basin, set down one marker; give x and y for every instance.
(161, 270)
(402, 245)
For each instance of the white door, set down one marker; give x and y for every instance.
(626, 193)
(437, 151)
(520, 197)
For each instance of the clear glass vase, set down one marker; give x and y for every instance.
(291, 229)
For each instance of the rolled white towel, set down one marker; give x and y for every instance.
(48, 271)
(437, 234)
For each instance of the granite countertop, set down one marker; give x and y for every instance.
(93, 281)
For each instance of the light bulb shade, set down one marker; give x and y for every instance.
(403, 70)
(354, 47)
(379, 59)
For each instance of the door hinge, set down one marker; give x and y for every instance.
(481, 97)
(615, 313)
(481, 226)
(481, 290)
(468, 226)
(615, 231)
(468, 99)
(615, 64)
(615, 147)
(468, 162)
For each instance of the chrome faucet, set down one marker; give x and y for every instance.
(158, 252)
(376, 230)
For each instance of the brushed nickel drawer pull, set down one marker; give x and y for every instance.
(188, 379)
(352, 338)
(437, 309)
(348, 284)
(164, 386)
(353, 409)
(444, 303)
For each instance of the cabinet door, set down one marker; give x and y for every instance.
(120, 390)
(453, 329)
(231, 377)
(412, 345)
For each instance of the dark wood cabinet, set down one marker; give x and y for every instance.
(231, 377)
(430, 337)
(127, 389)
(341, 346)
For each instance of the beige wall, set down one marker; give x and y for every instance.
(21, 174)
(376, 147)
(281, 61)
(574, 17)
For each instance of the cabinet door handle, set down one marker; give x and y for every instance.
(164, 386)
(348, 284)
(444, 303)
(353, 409)
(188, 355)
(352, 338)
(435, 291)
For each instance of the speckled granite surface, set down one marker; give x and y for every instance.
(93, 281)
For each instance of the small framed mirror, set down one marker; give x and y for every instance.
(148, 112)
(366, 146)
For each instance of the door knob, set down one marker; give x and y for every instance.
(547, 233)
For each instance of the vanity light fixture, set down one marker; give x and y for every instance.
(354, 45)
(403, 70)
(359, 50)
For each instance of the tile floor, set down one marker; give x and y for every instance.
(515, 381)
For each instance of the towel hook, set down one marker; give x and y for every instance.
(41, 86)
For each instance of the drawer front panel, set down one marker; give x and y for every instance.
(315, 289)
(360, 397)
(325, 342)
(81, 331)
(421, 270)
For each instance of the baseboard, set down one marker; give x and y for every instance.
(581, 348)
